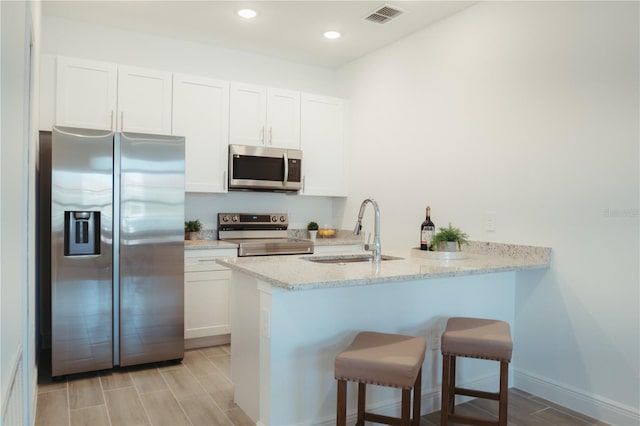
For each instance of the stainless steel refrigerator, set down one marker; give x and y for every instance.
(117, 249)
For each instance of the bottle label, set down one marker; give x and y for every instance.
(426, 236)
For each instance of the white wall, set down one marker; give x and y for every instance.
(70, 38)
(17, 369)
(530, 109)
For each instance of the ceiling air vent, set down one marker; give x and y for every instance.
(383, 14)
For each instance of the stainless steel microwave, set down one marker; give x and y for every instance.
(264, 168)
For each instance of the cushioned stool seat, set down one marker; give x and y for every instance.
(474, 338)
(386, 360)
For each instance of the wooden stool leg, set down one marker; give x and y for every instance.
(452, 385)
(504, 392)
(417, 398)
(341, 415)
(444, 405)
(405, 418)
(362, 399)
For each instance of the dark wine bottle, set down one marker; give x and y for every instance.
(427, 231)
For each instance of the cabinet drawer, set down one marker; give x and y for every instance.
(205, 264)
(207, 275)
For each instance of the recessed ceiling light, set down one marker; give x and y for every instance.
(247, 13)
(332, 35)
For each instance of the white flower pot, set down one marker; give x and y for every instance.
(313, 234)
(448, 246)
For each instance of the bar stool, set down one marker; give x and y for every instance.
(474, 338)
(385, 360)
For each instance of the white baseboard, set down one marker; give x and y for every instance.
(429, 402)
(592, 405)
(205, 342)
(589, 404)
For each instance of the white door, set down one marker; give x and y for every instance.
(322, 142)
(247, 114)
(283, 118)
(144, 100)
(86, 93)
(201, 114)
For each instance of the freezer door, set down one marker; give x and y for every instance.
(81, 250)
(151, 261)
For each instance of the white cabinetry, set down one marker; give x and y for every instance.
(86, 93)
(323, 165)
(201, 114)
(264, 116)
(144, 100)
(101, 95)
(206, 293)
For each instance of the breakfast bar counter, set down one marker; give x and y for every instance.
(291, 317)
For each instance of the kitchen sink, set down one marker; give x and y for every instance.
(343, 259)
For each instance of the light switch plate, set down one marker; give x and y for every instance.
(490, 219)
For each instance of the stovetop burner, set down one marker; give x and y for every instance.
(260, 234)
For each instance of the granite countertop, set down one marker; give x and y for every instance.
(296, 273)
(208, 244)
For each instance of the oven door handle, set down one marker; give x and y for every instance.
(286, 168)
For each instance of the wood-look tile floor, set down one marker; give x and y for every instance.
(199, 392)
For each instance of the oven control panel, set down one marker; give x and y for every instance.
(249, 221)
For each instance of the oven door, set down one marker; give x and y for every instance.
(264, 168)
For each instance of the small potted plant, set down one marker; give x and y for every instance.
(312, 227)
(192, 228)
(449, 239)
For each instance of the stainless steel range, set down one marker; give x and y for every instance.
(260, 234)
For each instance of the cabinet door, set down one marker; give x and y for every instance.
(206, 300)
(247, 114)
(144, 100)
(324, 164)
(206, 293)
(86, 93)
(201, 114)
(283, 118)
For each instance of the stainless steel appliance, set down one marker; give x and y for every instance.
(264, 168)
(260, 234)
(117, 248)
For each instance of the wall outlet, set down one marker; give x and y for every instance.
(435, 338)
(490, 218)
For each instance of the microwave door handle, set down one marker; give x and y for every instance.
(286, 168)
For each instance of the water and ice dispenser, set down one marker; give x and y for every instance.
(81, 233)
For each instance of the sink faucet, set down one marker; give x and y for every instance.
(376, 236)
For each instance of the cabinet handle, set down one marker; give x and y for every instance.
(270, 135)
(224, 180)
(206, 260)
(262, 135)
(122, 121)
(111, 121)
(304, 181)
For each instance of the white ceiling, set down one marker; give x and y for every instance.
(290, 30)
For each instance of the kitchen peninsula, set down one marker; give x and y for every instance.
(291, 316)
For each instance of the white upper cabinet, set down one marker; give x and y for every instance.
(86, 93)
(324, 153)
(144, 100)
(264, 116)
(248, 114)
(100, 95)
(283, 118)
(201, 114)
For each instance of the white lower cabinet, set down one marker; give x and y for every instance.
(206, 293)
